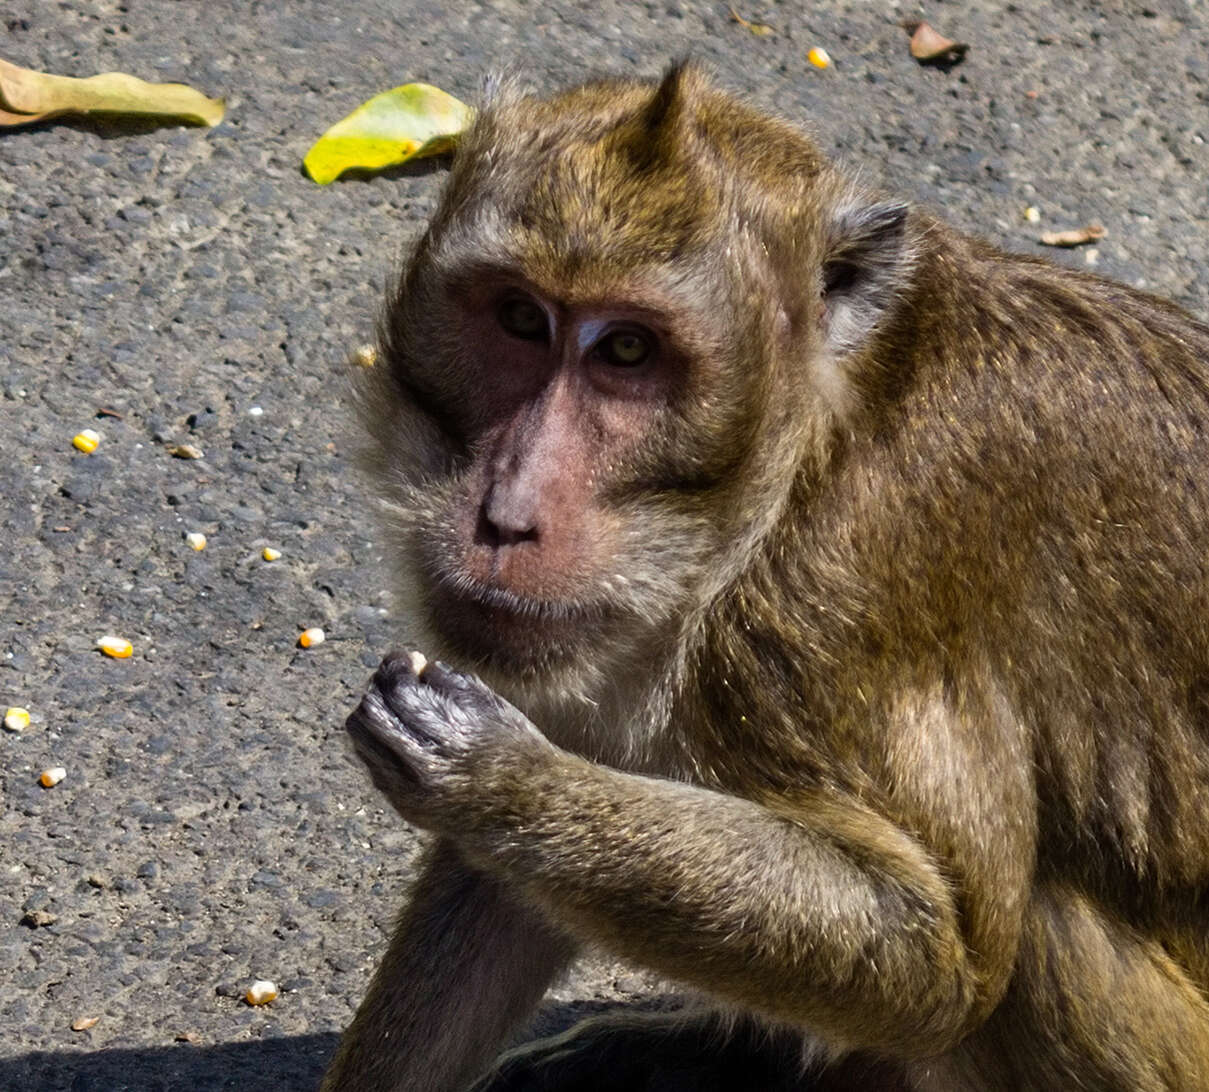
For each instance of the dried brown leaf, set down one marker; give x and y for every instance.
(760, 30)
(27, 96)
(929, 46)
(83, 1023)
(1074, 236)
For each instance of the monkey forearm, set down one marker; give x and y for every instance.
(712, 889)
(465, 967)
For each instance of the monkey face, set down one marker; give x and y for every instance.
(559, 413)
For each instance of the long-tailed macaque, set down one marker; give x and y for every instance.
(839, 590)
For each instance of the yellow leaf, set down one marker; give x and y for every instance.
(26, 95)
(407, 122)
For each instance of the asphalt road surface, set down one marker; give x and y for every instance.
(170, 285)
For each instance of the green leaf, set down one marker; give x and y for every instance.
(405, 123)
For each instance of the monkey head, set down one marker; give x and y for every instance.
(634, 323)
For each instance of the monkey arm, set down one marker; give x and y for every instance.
(853, 934)
(466, 965)
(834, 918)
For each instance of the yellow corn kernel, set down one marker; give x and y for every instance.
(16, 719)
(312, 637)
(261, 992)
(117, 647)
(819, 57)
(269, 554)
(196, 540)
(365, 356)
(86, 440)
(1032, 214)
(50, 778)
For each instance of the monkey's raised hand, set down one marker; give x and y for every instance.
(426, 731)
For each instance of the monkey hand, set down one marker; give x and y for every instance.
(430, 736)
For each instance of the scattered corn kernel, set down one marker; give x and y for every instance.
(418, 661)
(312, 637)
(1032, 214)
(186, 451)
(196, 540)
(83, 1023)
(819, 57)
(365, 356)
(261, 992)
(117, 647)
(269, 554)
(50, 778)
(16, 719)
(86, 440)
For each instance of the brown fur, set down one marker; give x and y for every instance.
(904, 595)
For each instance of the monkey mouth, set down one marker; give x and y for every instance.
(499, 625)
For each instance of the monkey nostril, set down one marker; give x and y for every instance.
(502, 531)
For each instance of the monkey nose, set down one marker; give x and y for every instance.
(504, 522)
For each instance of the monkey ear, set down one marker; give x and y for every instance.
(865, 268)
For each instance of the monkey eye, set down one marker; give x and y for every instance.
(624, 348)
(523, 318)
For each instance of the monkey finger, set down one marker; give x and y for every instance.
(440, 676)
(400, 664)
(379, 751)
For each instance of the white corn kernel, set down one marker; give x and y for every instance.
(196, 540)
(50, 778)
(312, 637)
(117, 647)
(261, 992)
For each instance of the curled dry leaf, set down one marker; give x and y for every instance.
(929, 46)
(27, 96)
(408, 122)
(761, 30)
(1075, 236)
(83, 1023)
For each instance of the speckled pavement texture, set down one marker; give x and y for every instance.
(210, 829)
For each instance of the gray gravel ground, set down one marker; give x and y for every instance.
(210, 829)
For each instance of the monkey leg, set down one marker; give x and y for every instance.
(465, 967)
(697, 1051)
(1093, 1004)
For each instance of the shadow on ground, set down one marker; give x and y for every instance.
(287, 1063)
(293, 1064)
